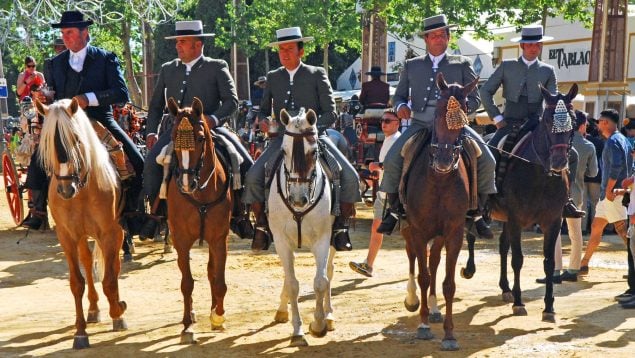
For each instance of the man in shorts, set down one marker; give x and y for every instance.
(390, 126)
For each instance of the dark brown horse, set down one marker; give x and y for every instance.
(199, 207)
(534, 190)
(85, 201)
(436, 195)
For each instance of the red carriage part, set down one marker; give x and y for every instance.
(12, 188)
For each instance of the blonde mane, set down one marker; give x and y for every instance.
(86, 154)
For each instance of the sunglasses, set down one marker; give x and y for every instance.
(30, 66)
(388, 120)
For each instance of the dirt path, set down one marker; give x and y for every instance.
(37, 311)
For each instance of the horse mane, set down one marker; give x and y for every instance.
(84, 150)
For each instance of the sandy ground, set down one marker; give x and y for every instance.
(37, 311)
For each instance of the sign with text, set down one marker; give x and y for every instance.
(4, 93)
(570, 60)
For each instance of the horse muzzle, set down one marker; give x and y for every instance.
(67, 190)
(559, 158)
(445, 158)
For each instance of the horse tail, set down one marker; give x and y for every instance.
(99, 264)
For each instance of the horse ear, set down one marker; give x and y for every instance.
(73, 107)
(545, 92)
(470, 87)
(573, 91)
(284, 117)
(42, 109)
(173, 108)
(197, 106)
(311, 117)
(441, 82)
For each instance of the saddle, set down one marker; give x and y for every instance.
(115, 149)
(416, 145)
(508, 146)
(331, 168)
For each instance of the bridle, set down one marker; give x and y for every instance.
(195, 171)
(557, 146)
(298, 215)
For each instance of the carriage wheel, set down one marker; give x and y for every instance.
(12, 188)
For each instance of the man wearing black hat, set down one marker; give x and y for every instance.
(193, 75)
(520, 78)
(416, 96)
(94, 78)
(375, 92)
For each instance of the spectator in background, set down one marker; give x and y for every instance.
(375, 93)
(29, 77)
(258, 90)
(592, 184)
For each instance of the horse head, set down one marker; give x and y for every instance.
(300, 148)
(71, 151)
(557, 127)
(192, 140)
(450, 118)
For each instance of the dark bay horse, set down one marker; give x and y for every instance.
(436, 195)
(85, 201)
(534, 190)
(199, 207)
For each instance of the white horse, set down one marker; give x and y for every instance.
(300, 214)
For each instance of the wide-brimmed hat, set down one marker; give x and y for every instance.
(188, 29)
(261, 80)
(375, 71)
(290, 34)
(72, 19)
(435, 22)
(531, 34)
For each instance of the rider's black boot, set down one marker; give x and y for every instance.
(570, 210)
(339, 238)
(240, 223)
(393, 214)
(262, 235)
(38, 216)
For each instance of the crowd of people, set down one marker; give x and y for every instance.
(601, 160)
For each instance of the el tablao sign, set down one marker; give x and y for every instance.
(571, 61)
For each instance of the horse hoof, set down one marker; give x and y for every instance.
(465, 274)
(298, 341)
(132, 248)
(193, 316)
(549, 317)
(127, 257)
(519, 310)
(158, 238)
(80, 342)
(93, 317)
(424, 333)
(330, 325)
(435, 317)
(167, 249)
(281, 317)
(411, 307)
(508, 297)
(449, 345)
(317, 333)
(187, 337)
(119, 324)
(217, 322)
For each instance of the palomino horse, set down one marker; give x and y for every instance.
(534, 190)
(300, 213)
(436, 195)
(84, 197)
(199, 207)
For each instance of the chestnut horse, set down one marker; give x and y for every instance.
(436, 195)
(542, 162)
(299, 213)
(199, 207)
(85, 201)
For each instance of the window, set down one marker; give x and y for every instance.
(391, 51)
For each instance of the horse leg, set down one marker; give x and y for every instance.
(468, 271)
(503, 250)
(548, 248)
(216, 276)
(320, 286)
(86, 259)
(110, 243)
(412, 301)
(292, 286)
(435, 258)
(421, 249)
(77, 288)
(513, 235)
(187, 286)
(328, 307)
(453, 245)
